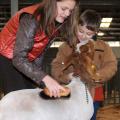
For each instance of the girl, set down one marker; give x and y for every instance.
(24, 40)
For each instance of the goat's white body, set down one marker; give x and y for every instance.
(27, 105)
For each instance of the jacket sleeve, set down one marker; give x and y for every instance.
(24, 43)
(109, 65)
(58, 64)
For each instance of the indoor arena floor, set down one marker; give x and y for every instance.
(111, 112)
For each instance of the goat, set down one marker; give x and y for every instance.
(28, 105)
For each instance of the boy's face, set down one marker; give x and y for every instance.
(83, 33)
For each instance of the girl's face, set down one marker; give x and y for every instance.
(83, 33)
(64, 9)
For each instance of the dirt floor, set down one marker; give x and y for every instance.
(111, 112)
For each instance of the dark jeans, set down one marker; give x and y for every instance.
(97, 105)
(11, 79)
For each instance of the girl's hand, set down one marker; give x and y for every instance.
(53, 86)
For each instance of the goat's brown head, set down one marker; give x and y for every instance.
(83, 63)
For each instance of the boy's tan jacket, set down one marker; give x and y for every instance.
(104, 59)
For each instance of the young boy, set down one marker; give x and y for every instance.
(104, 59)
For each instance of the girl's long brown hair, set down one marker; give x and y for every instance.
(47, 11)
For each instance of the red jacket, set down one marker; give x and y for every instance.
(8, 36)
